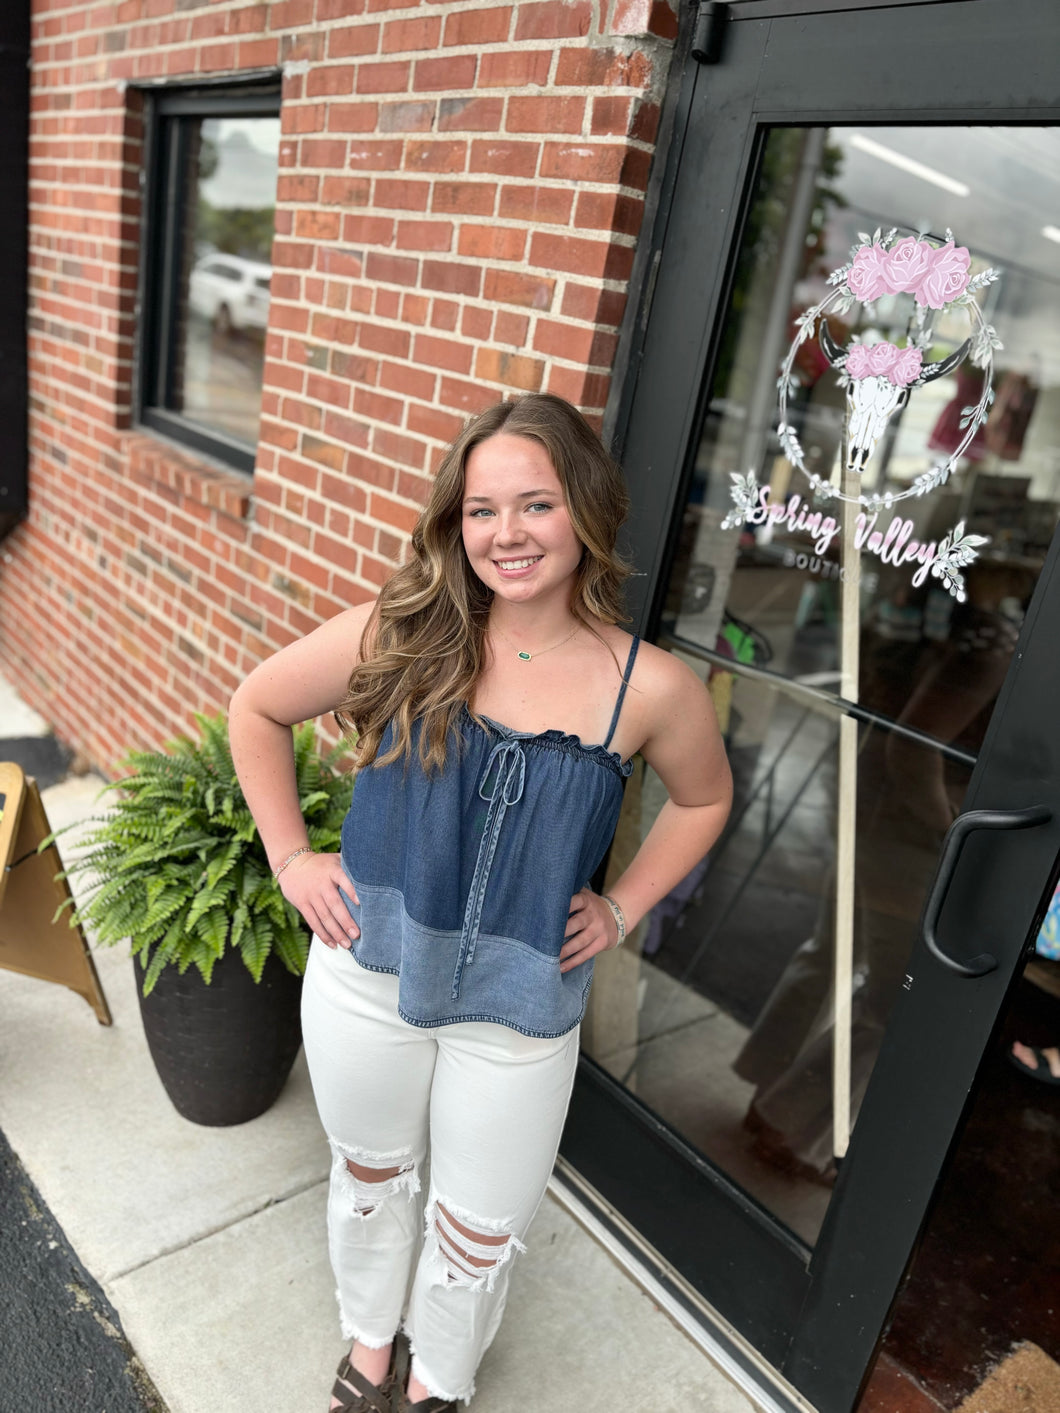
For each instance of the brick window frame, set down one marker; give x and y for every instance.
(167, 112)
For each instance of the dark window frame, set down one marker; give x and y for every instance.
(166, 129)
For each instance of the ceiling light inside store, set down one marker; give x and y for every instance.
(908, 164)
(1051, 233)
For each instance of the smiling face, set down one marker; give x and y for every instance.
(517, 533)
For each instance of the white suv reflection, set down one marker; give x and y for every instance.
(231, 292)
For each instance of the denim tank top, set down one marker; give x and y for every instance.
(465, 876)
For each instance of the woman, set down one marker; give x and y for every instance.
(462, 889)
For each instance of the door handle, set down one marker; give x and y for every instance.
(957, 833)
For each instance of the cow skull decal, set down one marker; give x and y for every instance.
(878, 379)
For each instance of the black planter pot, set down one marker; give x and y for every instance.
(223, 1051)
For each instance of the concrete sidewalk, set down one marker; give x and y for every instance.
(210, 1243)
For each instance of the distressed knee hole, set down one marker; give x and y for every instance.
(364, 1174)
(462, 1242)
(467, 1251)
(370, 1179)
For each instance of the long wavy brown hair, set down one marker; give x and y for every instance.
(424, 647)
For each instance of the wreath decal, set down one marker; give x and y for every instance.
(878, 379)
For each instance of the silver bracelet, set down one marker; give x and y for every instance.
(619, 916)
(305, 849)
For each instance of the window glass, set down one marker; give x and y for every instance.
(229, 196)
(747, 1010)
(209, 270)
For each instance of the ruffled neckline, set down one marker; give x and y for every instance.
(564, 739)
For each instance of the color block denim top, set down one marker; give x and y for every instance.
(465, 877)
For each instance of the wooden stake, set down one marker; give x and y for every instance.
(846, 812)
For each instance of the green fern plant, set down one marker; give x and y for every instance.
(176, 864)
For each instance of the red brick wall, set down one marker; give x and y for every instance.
(460, 191)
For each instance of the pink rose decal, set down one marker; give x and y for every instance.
(907, 264)
(906, 367)
(881, 360)
(900, 366)
(946, 277)
(934, 275)
(857, 361)
(868, 277)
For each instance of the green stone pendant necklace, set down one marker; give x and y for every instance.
(529, 657)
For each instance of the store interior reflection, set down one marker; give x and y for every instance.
(735, 1016)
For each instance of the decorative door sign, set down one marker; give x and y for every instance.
(879, 378)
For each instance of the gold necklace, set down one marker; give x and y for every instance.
(529, 657)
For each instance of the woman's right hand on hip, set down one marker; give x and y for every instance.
(312, 883)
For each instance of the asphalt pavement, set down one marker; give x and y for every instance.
(63, 1349)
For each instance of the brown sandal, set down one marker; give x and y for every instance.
(425, 1405)
(357, 1394)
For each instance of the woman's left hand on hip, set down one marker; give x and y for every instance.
(591, 929)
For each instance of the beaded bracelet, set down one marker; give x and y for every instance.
(305, 849)
(619, 916)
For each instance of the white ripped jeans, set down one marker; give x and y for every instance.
(488, 1101)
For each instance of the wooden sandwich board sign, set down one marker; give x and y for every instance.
(32, 940)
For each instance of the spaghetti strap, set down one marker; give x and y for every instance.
(622, 690)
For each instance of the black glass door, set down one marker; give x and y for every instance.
(776, 1068)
